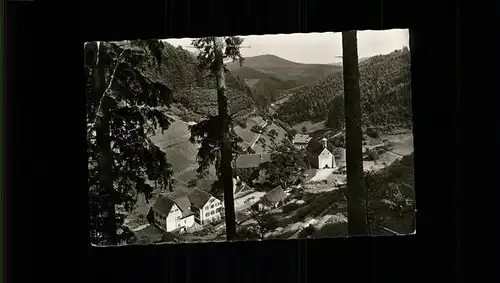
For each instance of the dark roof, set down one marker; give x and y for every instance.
(315, 147)
(252, 160)
(199, 198)
(299, 138)
(183, 203)
(164, 204)
(275, 195)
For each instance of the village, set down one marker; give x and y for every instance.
(264, 209)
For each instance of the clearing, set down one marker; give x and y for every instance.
(310, 126)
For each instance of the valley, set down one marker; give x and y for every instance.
(287, 135)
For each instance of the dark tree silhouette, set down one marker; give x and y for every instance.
(355, 190)
(212, 52)
(124, 108)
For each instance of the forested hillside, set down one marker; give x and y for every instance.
(271, 76)
(268, 87)
(194, 89)
(385, 93)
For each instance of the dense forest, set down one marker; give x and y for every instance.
(192, 87)
(268, 87)
(385, 93)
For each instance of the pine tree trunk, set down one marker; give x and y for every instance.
(103, 141)
(356, 213)
(226, 176)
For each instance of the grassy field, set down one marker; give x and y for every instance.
(310, 126)
(181, 154)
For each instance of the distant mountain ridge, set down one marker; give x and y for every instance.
(270, 75)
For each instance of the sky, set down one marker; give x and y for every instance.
(317, 48)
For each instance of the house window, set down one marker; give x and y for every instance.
(212, 212)
(212, 206)
(184, 221)
(207, 214)
(178, 218)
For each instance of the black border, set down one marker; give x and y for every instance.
(57, 182)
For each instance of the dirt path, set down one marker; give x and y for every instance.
(258, 136)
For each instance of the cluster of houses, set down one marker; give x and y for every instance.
(317, 151)
(178, 212)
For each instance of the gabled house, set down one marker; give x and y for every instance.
(300, 141)
(272, 199)
(319, 155)
(206, 208)
(172, 213)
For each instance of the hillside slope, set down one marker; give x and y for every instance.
(195, 98)
(270, 75)
(385, 93)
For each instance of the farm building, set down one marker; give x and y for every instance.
(319, 155)
(172, 213)
(301, 141)
(179, 212)
(206, 207)
(272, 199)
(251, 160)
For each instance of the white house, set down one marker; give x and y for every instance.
(172, 213)
(319, 155)
(206, 208)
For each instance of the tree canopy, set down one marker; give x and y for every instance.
(287, 164)
(135, 100)
(385, 95)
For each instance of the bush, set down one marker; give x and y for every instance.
(246, 234)
(373, 133)
(290, 207)
(169, 237)
(240, 123)
(256, 129)
(150, 217)
(338, 141)
(372, 155)
(332, 230)
(307, 232)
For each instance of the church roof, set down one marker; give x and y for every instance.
(315, 147)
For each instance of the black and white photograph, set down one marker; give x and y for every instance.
(248, 138)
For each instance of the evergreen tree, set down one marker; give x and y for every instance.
(212, 53)
(124, 108)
